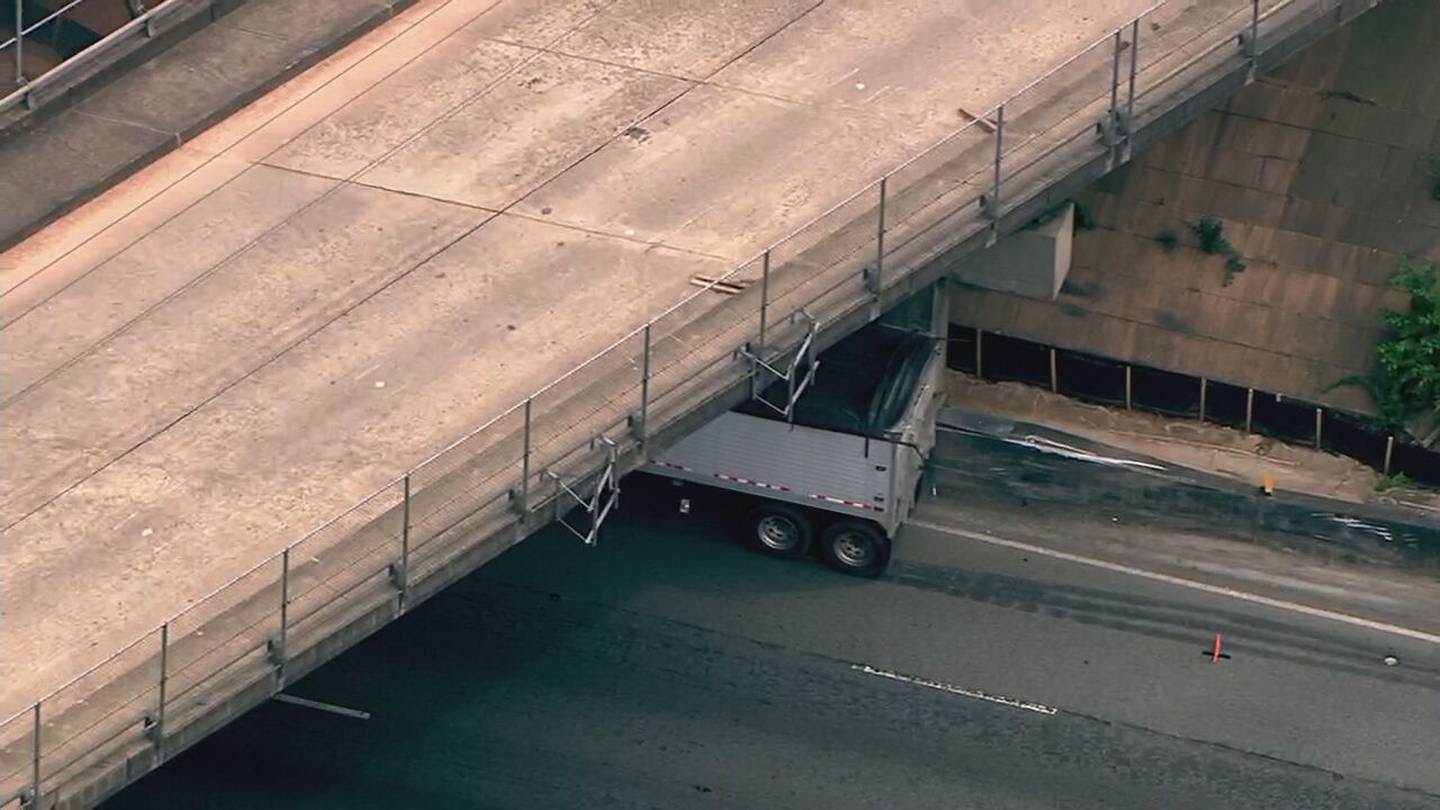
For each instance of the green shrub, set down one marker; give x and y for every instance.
(1410, 354)
(1211, 232)
(1407, 374)
(1168, 240)
(1396, 481)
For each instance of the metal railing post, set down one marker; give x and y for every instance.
(284, 618)
(1389, 450)
(1204, 384)
(35, 759)
(525, 465)
(764, 322)
(1249, 409)
(999, 144)
(405, 546)
(1254, 32)
(880, 243)
(19, 44)
(164, 680)
(1110, 128)
(644, 389)
(1130, 93)
(764, 297)
(1115, 73)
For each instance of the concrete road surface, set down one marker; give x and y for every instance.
(672, 668)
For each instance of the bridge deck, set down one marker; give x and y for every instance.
(324, 289)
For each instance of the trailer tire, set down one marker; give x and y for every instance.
(779, 531)
(855, 548)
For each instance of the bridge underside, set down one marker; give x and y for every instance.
(322, 291)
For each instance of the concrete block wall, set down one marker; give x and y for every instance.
(1316, 172)
(1032, 262)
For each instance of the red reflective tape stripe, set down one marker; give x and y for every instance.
(737, 479)
(673, 466)
(847, 502)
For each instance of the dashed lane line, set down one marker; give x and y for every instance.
(1038, 708)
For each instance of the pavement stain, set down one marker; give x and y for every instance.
(1171, 621)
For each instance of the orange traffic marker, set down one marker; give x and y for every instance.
(1215, 654)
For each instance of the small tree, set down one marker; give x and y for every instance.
(1410, 355)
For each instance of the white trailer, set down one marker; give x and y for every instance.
(844, 465)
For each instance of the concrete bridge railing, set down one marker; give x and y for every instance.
(557, 453)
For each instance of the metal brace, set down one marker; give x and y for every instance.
(798, 380)
(275, 651)
(1113, 127)
(989, 207)
(1246, 43)
(607, 491)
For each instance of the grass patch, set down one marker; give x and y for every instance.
(1402, 481)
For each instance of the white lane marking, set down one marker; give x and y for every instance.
(1219, 590)
(1355, 523)
(955, 690)
(1052, 447)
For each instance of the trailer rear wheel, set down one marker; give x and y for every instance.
(855, 548)
(779, 531)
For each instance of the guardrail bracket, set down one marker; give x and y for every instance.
(600, 502)
(798, 374)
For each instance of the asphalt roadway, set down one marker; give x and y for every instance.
(671, 667)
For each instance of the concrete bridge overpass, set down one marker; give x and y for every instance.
(276, 322)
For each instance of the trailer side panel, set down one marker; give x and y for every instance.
(824, 469)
